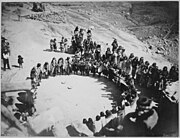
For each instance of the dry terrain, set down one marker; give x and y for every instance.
(66, 100)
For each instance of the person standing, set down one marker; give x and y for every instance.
(143, 120)
(114, 45)
(6, 55)
(20, 61)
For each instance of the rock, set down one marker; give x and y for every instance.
(14, 132)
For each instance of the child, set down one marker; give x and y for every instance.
(20, 61)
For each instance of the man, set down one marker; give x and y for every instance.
(98, 126)
(54, 45)
(113, 127)
(6, 55)
(142, 121)
(114, 45)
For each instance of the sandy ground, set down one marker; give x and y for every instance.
(62, 99)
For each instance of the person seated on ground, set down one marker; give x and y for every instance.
(114, 112)
(173, 74)
(67, 66)
(53, 67)
(33, 78)
(98, 126)
(85, 121)
(142, 121)
(36, 75)
(90, 125)
(114, 45)
(45, 70)
(60, 66)
(113, 127)
(108, 116)
(39, 73)
(102, 119)
(20, 61)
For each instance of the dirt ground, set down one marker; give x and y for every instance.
(66, 100)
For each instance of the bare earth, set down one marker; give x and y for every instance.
(65, 100)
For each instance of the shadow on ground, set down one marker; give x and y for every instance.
(167, 111)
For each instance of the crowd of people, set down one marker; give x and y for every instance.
(123, 70)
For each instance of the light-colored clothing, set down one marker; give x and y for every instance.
(6, 55)
(98, 126)
(103, 121)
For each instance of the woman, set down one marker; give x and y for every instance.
(67, 66)
(45, 70)
(60, 66)
(53, 67)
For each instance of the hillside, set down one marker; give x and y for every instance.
(30, 38)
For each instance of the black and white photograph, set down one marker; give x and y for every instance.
(89, 68)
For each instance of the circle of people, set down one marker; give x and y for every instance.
(125, 71)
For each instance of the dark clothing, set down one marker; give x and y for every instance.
(114, 45)
(137, 128)
(173, 75)
(6, 62)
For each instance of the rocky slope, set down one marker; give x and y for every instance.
(30, 38)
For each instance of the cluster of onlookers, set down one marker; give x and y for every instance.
(117, 122)
(5, 52)
(63, 45)
(115, 65)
